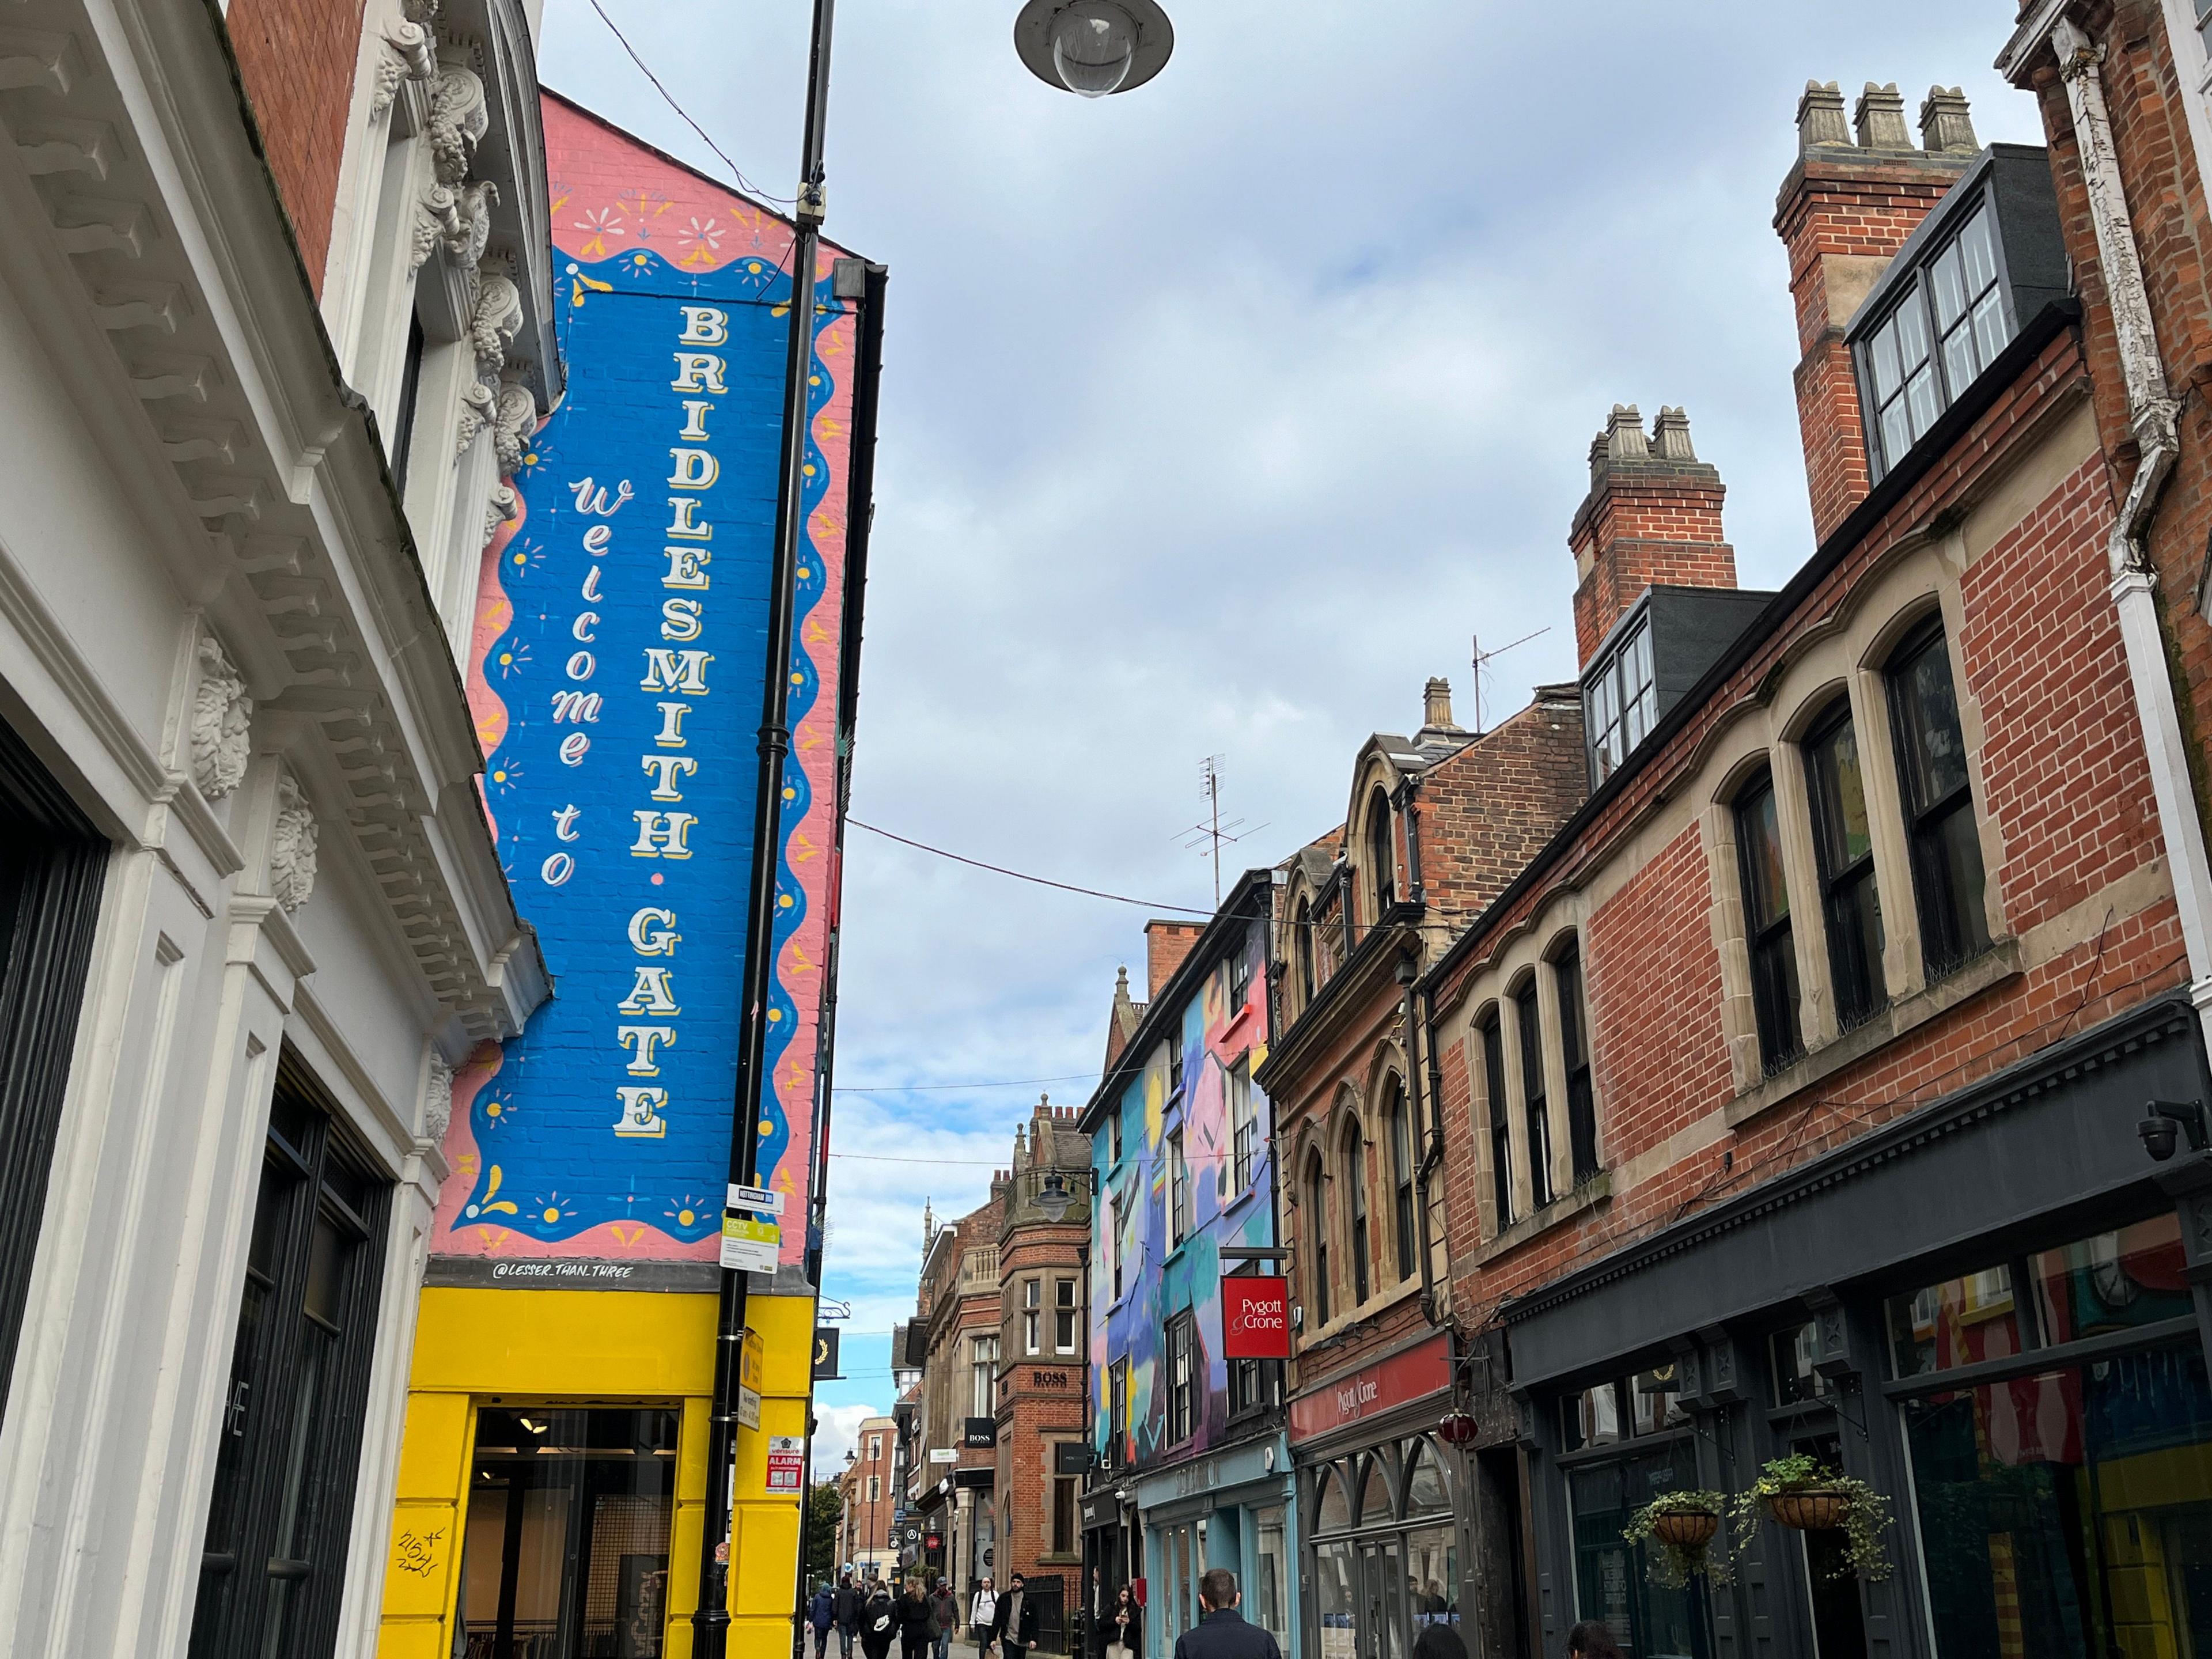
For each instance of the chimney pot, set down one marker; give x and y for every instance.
(1945, 123)
(1820, 117)
(1624, 434)
(1880, 118)
(1670, 435)
(1436, 704)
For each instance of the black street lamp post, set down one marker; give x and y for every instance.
(1093, 47)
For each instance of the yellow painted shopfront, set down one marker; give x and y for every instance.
(552, 1477)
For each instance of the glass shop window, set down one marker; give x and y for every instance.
(1269, 1604)
(565, 1553)
(2113, 1281)
(1960, 1321)
(1791, 1352)
(2068, 1514)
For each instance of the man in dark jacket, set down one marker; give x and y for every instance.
(847, 1613)
(1014, 1626)
(1222, 1633)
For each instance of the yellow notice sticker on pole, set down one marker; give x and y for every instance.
(752, 1360)
(749, 1245)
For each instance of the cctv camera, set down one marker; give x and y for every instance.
(2158, 1137)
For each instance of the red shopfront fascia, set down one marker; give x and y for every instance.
(1256, 1317)
(1373, 1389)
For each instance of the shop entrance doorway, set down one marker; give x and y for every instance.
(566, 1551)
(1382, 1590)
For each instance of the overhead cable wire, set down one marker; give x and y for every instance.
(924, 1088)
(669, 98)
(1020, 875)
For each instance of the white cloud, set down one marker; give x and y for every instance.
(837, 1432)
(1216, 418)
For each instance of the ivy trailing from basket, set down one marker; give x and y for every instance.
(1864, 1512)
(1681, 1526)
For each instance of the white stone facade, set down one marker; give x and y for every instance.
(237, 654)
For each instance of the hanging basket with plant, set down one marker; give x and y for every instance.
(1801, 1493)
(1681, 1527)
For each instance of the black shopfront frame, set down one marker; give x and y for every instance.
(288, 1458)
(2041, 1154)
(52, 866)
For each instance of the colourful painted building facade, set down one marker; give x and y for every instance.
(555, 1465)
(1195, 1471)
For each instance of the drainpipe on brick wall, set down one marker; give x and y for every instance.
(2153, 414)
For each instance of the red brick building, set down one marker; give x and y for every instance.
(1792, 1090)
(1043, 1205)
(1438, 824)
(958, 1319)
(867, 1496)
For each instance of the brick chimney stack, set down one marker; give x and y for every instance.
(1166, 944)
(1856, 193)
(1653, 515)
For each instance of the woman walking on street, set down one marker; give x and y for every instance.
(914, 1622)
(1125, 1626)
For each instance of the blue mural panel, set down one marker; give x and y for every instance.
(621, 651)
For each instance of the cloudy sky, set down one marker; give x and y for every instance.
(1217, 417)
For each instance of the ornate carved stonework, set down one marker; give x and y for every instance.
(407, 55)
(499, 507)
(476, 413)
(497, 319)
(516, 423)
(459, 117)
(292, 847)
(223, 718)
(437, 1099)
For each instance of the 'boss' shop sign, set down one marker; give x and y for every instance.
(1256, 1317)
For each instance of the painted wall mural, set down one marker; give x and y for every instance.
(1223, 1041)
(615, 678)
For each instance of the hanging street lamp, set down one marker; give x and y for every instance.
(1093, 47)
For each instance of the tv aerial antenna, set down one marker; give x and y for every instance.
(1481, 663)
(1210, 834)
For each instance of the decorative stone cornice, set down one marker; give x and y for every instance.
(182, 306)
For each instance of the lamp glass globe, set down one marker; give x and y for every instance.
(1094, 43)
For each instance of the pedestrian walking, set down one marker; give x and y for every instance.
(914, 1621)
(944, 1619)
(850, 1601)
(822, 1612)
(1014, 1626)
(981, 1613)
(879, 1622)
(1222, 1632)
(1125, 1626)
(1593, 1639)
(1439, 1641)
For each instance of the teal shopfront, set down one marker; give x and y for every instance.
(1236, 1508)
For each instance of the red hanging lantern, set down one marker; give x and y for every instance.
(1457, 1429)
